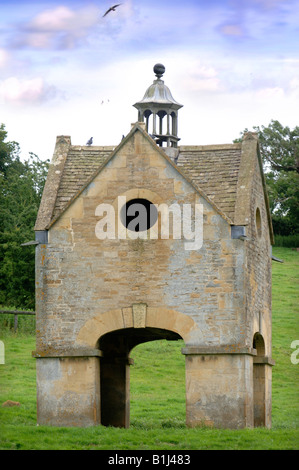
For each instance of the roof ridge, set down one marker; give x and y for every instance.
(97, 170)
(232, 146)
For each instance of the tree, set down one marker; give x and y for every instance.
(21, 185)
(280, 153)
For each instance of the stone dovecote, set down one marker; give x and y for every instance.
(97, 297)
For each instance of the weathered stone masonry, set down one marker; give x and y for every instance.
(97, 299)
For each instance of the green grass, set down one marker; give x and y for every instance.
(158, 392)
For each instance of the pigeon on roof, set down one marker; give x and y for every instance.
(89, 142)
(111, 9)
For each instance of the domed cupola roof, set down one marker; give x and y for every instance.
(158, 92)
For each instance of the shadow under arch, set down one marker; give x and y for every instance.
(259, 344)
(259, 382)
(115, 370)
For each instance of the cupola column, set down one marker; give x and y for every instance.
(168, 128)
(154, 123)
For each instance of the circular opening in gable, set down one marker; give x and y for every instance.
(258, 222)
(138, 215)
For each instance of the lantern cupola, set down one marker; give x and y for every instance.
(159, 110)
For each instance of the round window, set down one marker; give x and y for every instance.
(138, 215)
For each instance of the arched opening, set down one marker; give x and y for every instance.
(258, 222)
(259, 382)
(115, 370)
(161, 115)
(146, 115)
(259, 344)
(113, 334)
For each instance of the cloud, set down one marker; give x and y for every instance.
(235, 30)
(294, 88)
(259, 5)
(268, 4)
(57, 28)
(32, 91)
(53, 20)
(202, 77)
(3, 58)
(256, 19)
(270, 93)
(294, 84)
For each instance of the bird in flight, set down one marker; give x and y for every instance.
(111, 9)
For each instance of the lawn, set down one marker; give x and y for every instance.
(158, 391)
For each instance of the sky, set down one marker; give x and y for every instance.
(67, 70)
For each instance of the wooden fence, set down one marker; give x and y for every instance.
(16, 313)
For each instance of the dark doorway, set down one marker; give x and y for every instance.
(115, 370)
(259, 382)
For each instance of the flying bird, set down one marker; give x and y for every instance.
(89, 142)
(112, 9)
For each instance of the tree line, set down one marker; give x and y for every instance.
(21, 186)
(22, 182)
(279, 148)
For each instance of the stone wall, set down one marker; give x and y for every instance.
(83, 276)
(214, 298)
(258, 266)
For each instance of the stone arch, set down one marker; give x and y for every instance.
(115, 333)
(259, 344)
(128, 317)
(138, 193)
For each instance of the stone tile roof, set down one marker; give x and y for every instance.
(215, 170)
(80, 164)
(222, 174)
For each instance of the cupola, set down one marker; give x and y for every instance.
(159, 110)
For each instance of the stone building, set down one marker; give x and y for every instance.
(105, 284)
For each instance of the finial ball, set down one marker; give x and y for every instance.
(159, 70)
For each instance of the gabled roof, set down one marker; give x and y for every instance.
(81, 163)
(213, 170)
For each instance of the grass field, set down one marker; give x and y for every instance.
(158, 391)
